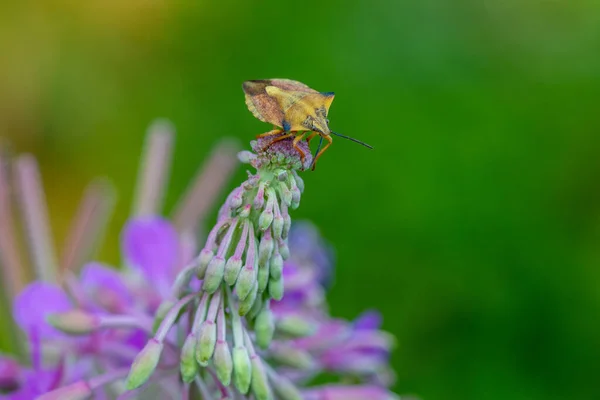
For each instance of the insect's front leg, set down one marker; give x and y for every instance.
(273, 132)
(297, 139)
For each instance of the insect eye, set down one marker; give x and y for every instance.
(327, 122)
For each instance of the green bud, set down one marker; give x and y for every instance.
(144, 364)
(292, 357)
(286, 194)
(205, 344)
(265, 219)
(245, 212)
(223, 362)
(232, 270)
(248, 302)
(299, 182)
(161, 313)
(265, 249)
(285, 389)
(276, 266)
(284, 250)
(295, 326)
(276, 288)
(242, 369)
(263, 277)
(188, 364)
(79, 390)
(256, 308)
(264, 326)
(260, 384)
(287, 224)
(74, 322)
(214, 274)
(206, 255)
(278, 223)
(245, 282)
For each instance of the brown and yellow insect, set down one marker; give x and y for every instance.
(294, 109)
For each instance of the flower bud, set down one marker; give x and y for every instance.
(263, 277)
(278, 222)
(260, 384)
(247, 303)
(276, 265)
(286, 194)
(246, 156)
(214, 274)
(259, 200)
(284, 250)
(276, 288)
(295, 195)
(245, 282)
(292, 357)
(79, 390)
(232, 269)
(223, 362)
(264, 326)
(285, 389)
(237, 199)
(205, 344)
(265, 248)
(265, 219)
(161, 312)
(144, 364)
(242, 369)
(204, 258)
(299, 181)
(245, 212)
(295, 326)
(188, 364)
(74, 322)
(287, 224)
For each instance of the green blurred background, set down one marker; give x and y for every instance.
(474, 225)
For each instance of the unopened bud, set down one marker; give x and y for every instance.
(161, 312)
(232, 270)
(204, 258)
(295, 326)
(144, 364)
(285, 389)
(295, 195)
(287, 224)
(74, 322)
(188, 364)
(205, 345)
(286, 195)
(259, 200)
(284, 250)
(246, 156)
(265, 219)
(260, 384)
(245, 212)
(276, 288)
(264, 326)
(223, 362)
(292, 357)
(265, 248)
(237, 199)
(263, 277)
(299, 182)
(247, 303)
(278, 222)
(79, 390)
(281, 175)
(245, 282)
(214, 274)
(242, 369)
(276, 266)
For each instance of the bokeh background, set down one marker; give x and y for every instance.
(474, 226)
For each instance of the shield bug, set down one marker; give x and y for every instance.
(296, 111)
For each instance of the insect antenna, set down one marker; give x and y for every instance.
(350, 138)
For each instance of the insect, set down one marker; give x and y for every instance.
(295, 110)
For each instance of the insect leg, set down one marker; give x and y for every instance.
(298, 149)
(328, 138)
(312, 135)
(270, 133)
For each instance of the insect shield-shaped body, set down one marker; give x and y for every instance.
(294, 108)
